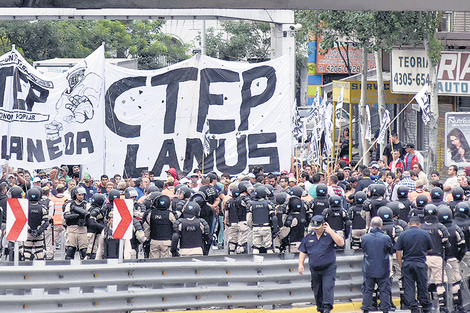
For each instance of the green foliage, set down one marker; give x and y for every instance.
(40, 40)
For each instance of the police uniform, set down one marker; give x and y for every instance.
(231, 220)
(320, 203)
(336, 216)
(414, 243)
(322, 263)
(358, 222)
(260, 217)
(38, 220)
(158, 227)
(96, 224)
(75, 215)
(293, 231)
(242, 203)
(108, 247)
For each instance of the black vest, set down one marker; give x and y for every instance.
(241, 209)
(454, 248)
(463, 221)
(319, 204)
(375, 205)
(231, 207)
(35, 215)
(260, 213)
(111, 245)
(433, 230)
(419, 212)
(161, 228)
(191, 233)
(404, 213)
(357, 221)
(297, 232)
(80, 220)
(334, 217)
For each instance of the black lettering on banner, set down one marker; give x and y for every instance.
(249, 101)
(209, 158)
(241, 162)
(84, 142)
(53, 148)
(167, 156)
(130, 169)
(254, 140)
(16, 146)
(69, 145)
(193, 151)
(4, 73)
(114, 91)
(208, 76)
(35, 151)
(4, 148)
(172, 80)
(36, 94)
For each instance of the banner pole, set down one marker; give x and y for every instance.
(350, 131)
(334, 129)
(365, 153)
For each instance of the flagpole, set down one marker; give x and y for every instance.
(334, 129)
(365, 153)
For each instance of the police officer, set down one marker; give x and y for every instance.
(411, 249)
(404, 213)
(358, 222)
(17, 193)
(319, 245)
(320, 203)
(113, 194)
(336, 216)
(139, 210)
(456, 253)
(280, 209)
(38, 221)
(418, 210)
(75, 216)
(434, 259)
(293, 231)
(397, 208)
(260, 217)
(242, 204)
(182, 196)
(108, 247)
(96, 224)
(461, 218)
(437, 196)
(458, 196)
(393, 230)
(231, 220)
(377, 200)
(190, 232)
(158, 227)
(377, 248)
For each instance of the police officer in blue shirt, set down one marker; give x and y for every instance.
(412, 247)
(377, 247)
(319, 245)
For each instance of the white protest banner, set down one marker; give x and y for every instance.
(155, 119)
(422, 98)
(383, 127)
(47, 122)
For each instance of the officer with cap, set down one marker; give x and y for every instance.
(38, 221)
(320, 203)
(411, 249)
(96, 224)
(260, 218)
(435, 258)
(319, 246)
(377, 248)
(356, 216)
(418, 210)
(293, 231)
(158, 226)
(456, 253)
(190, 232)
(75, 216)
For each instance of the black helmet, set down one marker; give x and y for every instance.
(162, 201)
(152, 188)
(396, 206)
(242, 187)
(377, 190)
(463, 208)
(16, 192)
(73, 193)
(33, 194)
(191, 209)
(437, 193)
(113, 194)
(98, 199)
(457, 194)
(444, 213)
(153, 195)
(261, 192)
(235, 191)
(199, 198)
(385, 213)
(281, 197)
(430, 209)
(335, 201)
(295, 204)
(131, 192)
(402, 192)
(322, 190)
(270, 189)
(40, 190)
(246, 184)
(185, 191)
(296, 191)
(421, 201)
(360, 197)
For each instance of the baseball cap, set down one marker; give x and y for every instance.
(410, 145)
(64, 168)
(11, 175)
(292, 179)
(59, 186)
(284, 172)
(170, 179)
(251, 175)
(184, 180)
(317, 221)
(36, 180)
(419, 183)
(406, 174)
(375, 165)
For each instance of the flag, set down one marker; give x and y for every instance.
(368, 134)
(315, 106)
(297, 129)
(423, 101)
(339, 108)
(328, 118)
(383, 128)
(207, 138)
(313, 155)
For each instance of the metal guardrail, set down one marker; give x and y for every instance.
(246, 281)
